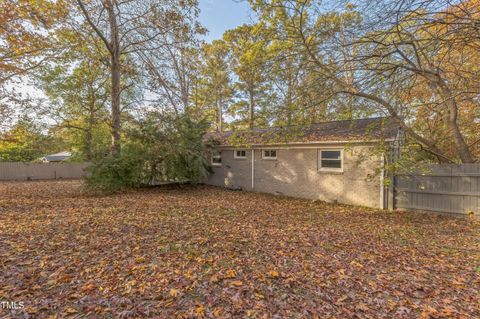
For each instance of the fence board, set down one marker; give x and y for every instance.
(12, 171)
(453, 188)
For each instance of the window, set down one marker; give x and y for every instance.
(239, 154)
(217, 158)
(269, 154)
(330, 160)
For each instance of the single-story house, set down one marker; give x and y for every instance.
(57, 157)
(337, 161)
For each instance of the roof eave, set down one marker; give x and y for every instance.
(293, 144)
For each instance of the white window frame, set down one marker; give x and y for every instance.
(235, 155)
(270, 158)
(330, 169)
(216, 154)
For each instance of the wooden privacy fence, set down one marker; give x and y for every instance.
(12, 171)
(449, 188)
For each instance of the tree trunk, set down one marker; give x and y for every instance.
(116, 113)
(459, 141)
(251, 114)
(451, 118)
(88, 144)
(348, 72)
(289, 97)
(220, 115)
(113, 46)
(461, 145)
(89, 133)
(115, 70)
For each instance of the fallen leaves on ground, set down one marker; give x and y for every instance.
(206, 252)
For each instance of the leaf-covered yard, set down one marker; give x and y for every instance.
(208, 252)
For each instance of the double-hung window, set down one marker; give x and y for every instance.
(330, 160)
(239, 154)
(269, 154)
(216, 158)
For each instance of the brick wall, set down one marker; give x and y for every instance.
(295, 173)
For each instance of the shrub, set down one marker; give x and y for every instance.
(112, 174)
(161, 148)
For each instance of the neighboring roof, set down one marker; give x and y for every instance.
(58, 157)
(379, 128)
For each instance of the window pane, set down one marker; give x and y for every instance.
(331, 163)
(331, 154)
(240, 153)
(269, 153)
(216, 157)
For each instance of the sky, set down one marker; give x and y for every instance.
(220, 15)
(216, 15)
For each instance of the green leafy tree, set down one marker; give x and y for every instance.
(164, 147)
(128, 32)
(409, 60)
(25, 142)
(247, 44)
(215, 87)
(27, 40)
(27, 35)
(78, 100)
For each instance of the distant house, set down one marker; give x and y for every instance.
(336, 161)
(57, 157)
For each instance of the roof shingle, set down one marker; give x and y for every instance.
(380, 128)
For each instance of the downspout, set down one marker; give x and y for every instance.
(394, 156)
(382, 187)
(253, 168)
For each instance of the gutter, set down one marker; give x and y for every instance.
(302, 144)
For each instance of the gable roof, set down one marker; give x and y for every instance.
(58, 157)
(371, 129)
